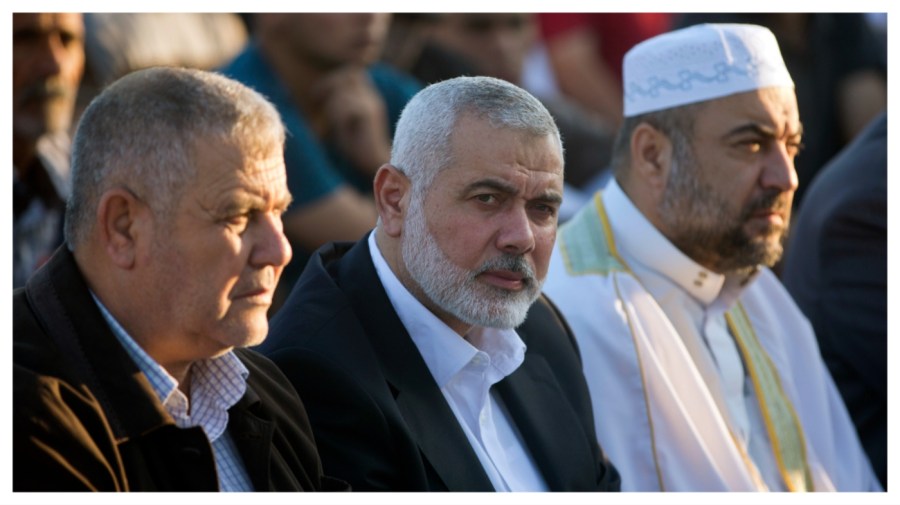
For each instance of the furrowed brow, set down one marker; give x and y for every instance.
(762, 131)
(550, 197)
(493, 184)
(752, 128)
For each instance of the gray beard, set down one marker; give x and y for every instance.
(456, 290)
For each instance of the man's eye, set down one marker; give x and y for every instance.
(753, 146)
(239, 221)
(794, 148)
(543, 211)
(487, 198)
(548, 209)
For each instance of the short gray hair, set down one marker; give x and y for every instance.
(141, 133)
(422, 140)
(677, 123)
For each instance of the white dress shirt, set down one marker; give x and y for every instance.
(465, 369)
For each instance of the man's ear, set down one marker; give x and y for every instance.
(651, 158)
(392, 193)
(122, 221)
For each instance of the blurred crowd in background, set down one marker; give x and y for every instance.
(341, 80)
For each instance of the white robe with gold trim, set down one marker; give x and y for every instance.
(656, 417)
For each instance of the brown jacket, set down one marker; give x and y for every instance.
(85, 418)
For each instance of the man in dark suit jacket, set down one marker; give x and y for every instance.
(836, 270)
(409, 347)
(128, 373)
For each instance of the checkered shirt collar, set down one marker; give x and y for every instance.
(216, 384)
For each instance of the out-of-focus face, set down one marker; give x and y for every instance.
(728, 206)
(216, 263)
(48, 60)
(496, 44)
(478, 243)
(333, 40)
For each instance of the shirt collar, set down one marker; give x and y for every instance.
(216, 384)
(444, 352)
(637, 238)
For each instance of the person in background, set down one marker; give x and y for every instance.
(117, 43)
(338, 106)
(410, 48)
(48, 61)
(836, 270)
(129, 367)
(586, 49)
(704, 374)
(426, 355)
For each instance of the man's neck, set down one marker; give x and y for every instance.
(172, 352)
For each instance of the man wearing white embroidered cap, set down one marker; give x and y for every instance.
(704, 374)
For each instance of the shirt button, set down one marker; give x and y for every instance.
(701, 276)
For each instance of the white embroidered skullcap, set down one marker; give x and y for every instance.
(700, 63)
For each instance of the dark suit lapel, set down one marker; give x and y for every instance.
(424, 408)
(253, 438)
(440, 437)
(539, 409)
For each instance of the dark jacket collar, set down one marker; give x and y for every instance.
(536, 401)
(61, 300)
(418, 397)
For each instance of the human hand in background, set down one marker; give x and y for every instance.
(355, 117)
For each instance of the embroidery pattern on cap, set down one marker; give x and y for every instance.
(687, 78)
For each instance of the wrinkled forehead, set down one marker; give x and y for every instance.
(225, 173)
(480, 149)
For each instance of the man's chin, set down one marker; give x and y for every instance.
(251, 332)
(767, 251)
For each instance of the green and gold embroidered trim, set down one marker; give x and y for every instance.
(782, 424)
(584, 250)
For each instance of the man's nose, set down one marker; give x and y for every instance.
(516, 235)
(51, 55)
(273, 248)
(779, 171)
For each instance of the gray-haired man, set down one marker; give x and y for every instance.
(129, 372)
(409, 347)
